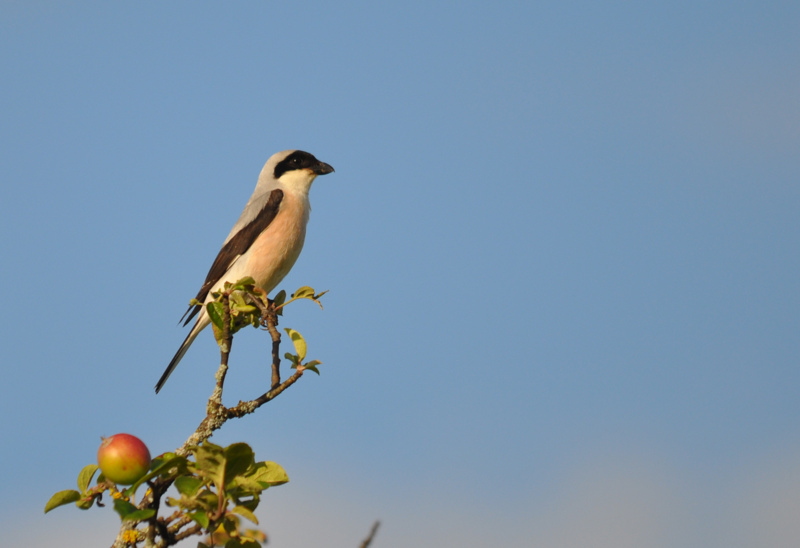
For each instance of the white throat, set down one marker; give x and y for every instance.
(298, 181)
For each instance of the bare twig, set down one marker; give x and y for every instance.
(247, 407)
(272, 327)
(195, 530)
(367, 541)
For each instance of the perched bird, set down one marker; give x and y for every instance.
(266, 240)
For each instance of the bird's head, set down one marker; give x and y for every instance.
(295, 169)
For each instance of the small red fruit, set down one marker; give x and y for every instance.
(123, 458)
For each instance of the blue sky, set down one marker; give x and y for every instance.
(561, 245)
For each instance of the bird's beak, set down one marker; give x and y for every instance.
(322, 168)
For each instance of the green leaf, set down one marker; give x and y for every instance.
(245, 486)
(222, 465)
(312, 366)
(251, 504)
(239, 458)
(161, 458)
(141, 515)
(299, 343)
(207, 499)
(129, 512)
(229, 524)
(279, 298)
(216, 311)
(304, 292)
(163, 467)
(171, 462)
(261, 476)
(85, 476)
(201, 518)
(85, 503)
(244, 282)
(210, 462)
(61, 498)
(292, 358)
(307, 292)
(171, 501)
(245, 513)
(237, 298)
(269, 473)
(188, 485)
(123, 507)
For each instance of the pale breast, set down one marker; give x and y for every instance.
(274, 252)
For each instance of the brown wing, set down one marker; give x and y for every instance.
(235, 247)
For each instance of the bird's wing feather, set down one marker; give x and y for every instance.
(235, 247)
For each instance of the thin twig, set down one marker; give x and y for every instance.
(196, 530)
(367, 541)
(247, 407)
(271, 321)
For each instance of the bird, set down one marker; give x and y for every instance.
(265, 241)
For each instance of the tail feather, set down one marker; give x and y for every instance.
(187, 342)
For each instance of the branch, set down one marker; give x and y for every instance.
(242, 304)
(368, 540)
(216, 413)
(247, 407)
(272, 327)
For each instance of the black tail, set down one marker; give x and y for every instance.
(187, 342)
